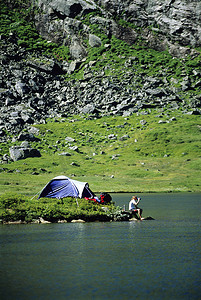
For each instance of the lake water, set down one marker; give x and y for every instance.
(158, 259)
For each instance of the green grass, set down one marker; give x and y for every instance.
(155, 157)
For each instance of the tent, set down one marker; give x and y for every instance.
(62, 186)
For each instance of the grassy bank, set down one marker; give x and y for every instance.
(148, 152)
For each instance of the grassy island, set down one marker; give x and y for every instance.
(19, 209)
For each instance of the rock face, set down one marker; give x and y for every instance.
(173, 23)
(177, 20)
(30, 94)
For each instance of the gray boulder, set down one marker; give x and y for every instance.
(21, 88)
(88, 109)
(42, 64)
(124, 137)
(74, 148)
(69, 139)
(77, 50)
(94, 41)
(27, 137)
(64, 154)
(74, 65)
(19, 152)
(25, 144)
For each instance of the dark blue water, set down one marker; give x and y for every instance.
(157, 259)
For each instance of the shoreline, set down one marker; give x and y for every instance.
(43, 221)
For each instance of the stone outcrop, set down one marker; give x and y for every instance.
(22, 152)
(171, 24)
(176, 20)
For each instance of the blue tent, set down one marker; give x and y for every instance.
(62, 186)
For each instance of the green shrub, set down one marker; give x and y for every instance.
(11, 200)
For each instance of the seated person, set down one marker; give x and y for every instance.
(134, 208)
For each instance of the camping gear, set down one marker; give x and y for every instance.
(62, 186)
(105, 198)
(94, 199)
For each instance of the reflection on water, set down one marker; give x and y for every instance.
(143, 260)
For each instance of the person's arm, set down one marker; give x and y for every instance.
(138, 200)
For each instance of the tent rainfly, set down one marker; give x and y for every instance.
(62, 186)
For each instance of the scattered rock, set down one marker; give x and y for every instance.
(94, 41)
(77, 50)
(65, 154)
(35, 173)
(124, 137)
(62, 221)
(143, 122)
(35, 221)
(69, 139)
(6, 158)
(78, 221)
(74, 164)
(74, 148)
(116, 156)
(18, 152)
(112, 137)
(41, 220)
(25, 144)
(15, 222)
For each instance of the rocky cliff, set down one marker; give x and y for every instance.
(101, 75)
(171, 24)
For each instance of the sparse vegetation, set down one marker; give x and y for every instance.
(17, 24)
